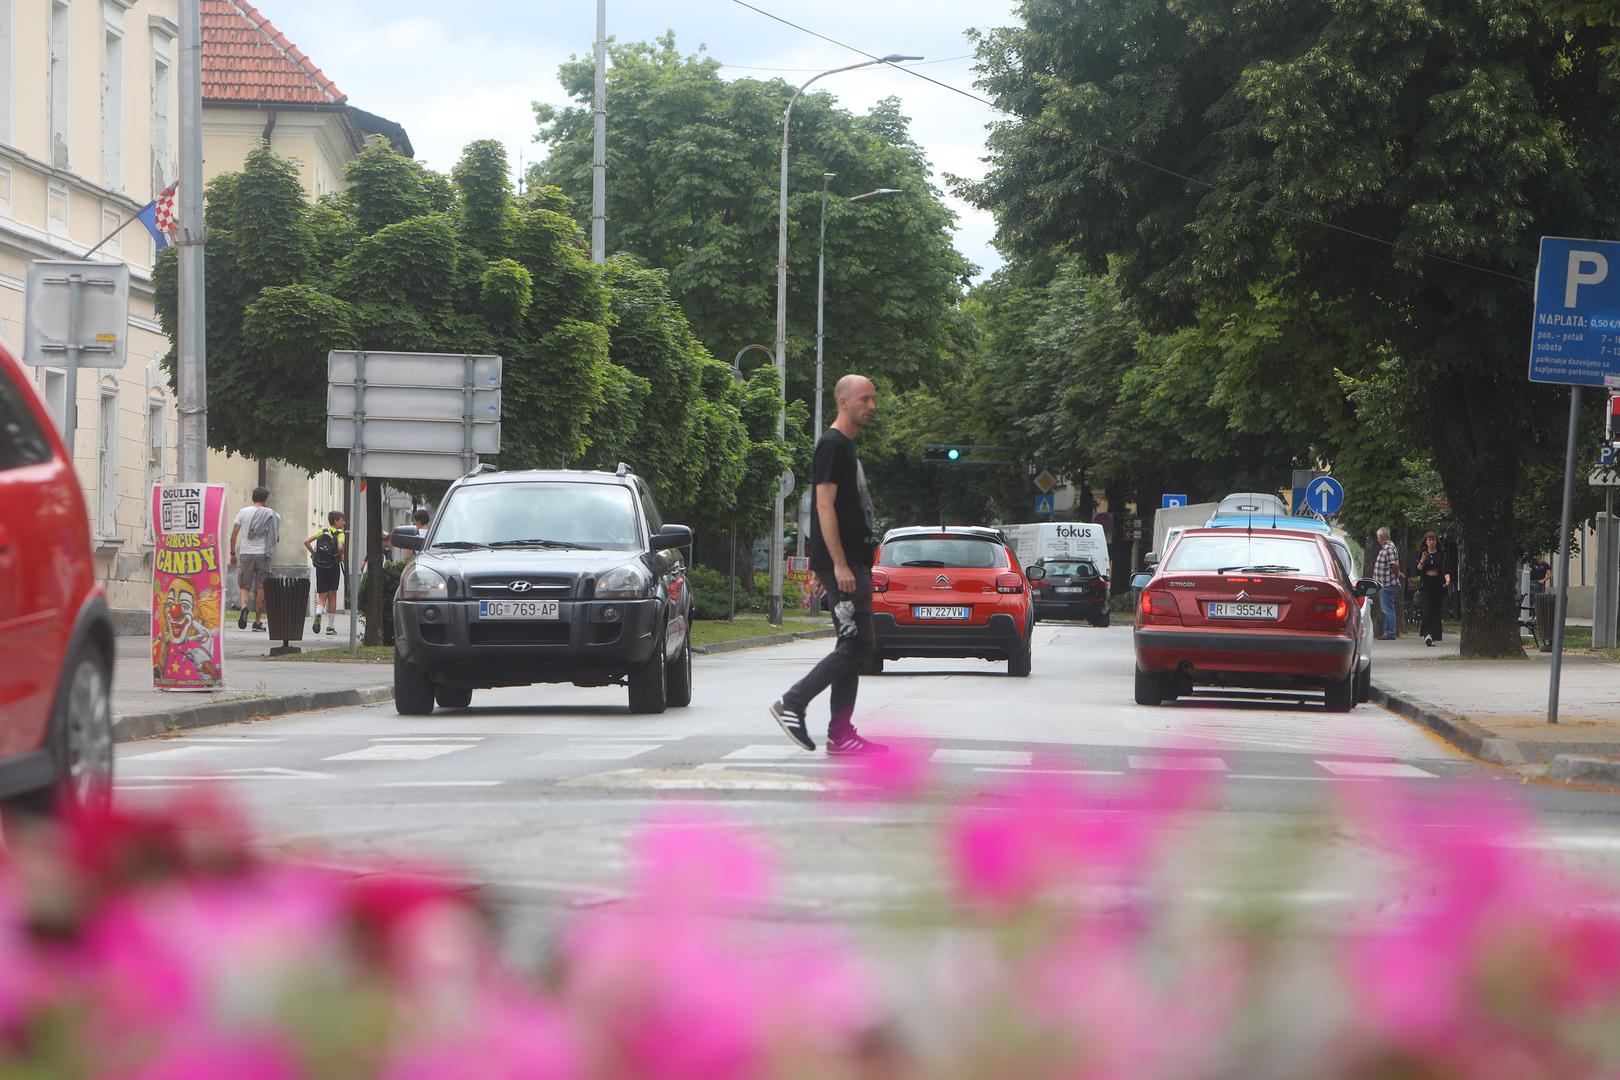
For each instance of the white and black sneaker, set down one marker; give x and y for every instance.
(792, 724)
(853, 743)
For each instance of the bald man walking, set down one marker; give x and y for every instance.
(841, 547)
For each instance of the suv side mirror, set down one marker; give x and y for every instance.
(1140, 581)
(1036, 573)
(672, 536)
(1151, 559)
(407, 536)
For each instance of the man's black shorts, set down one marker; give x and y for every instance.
(327, 579)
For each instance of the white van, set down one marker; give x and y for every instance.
(1059, 539)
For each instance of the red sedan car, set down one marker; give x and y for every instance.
(950, 592)
(56, 641)
(1229, 607)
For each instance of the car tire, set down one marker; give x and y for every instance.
(1020, 662)
(453, 697)
(872, 664)
(1364, 685)
(80, 741)
(678, 683)
(648, 688)
(413, 690)
(1100, 620)
(1340, 696)
(1149, 687)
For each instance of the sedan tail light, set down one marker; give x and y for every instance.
(1009, 582)
(1160, 607)
(880, 581)
(1328, 614)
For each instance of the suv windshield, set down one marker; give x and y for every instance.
(1243, 551)
(1080, 568)
(582, 515)
(960, 552)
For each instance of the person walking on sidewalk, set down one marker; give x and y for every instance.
(1433, 572)
(841, 547)
(1387, 572)
(328, 549)
(254, 536)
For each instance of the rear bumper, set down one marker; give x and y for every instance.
(1308, 656)
(592, 642)
(1069, 608)
(996, 640)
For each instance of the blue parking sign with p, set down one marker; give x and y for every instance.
(1170, 502)
(1575, 337)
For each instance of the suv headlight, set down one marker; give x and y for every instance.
(628, 582)
(421, 582)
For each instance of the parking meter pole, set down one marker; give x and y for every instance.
(1563, 556)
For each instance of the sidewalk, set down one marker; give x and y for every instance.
(1496, 710)
(254, 684)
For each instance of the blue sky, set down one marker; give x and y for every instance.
(452, 73)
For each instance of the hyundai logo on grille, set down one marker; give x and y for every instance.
(519, 586)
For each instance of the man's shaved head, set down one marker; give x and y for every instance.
(857, 403)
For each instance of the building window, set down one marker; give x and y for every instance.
(154, 454)
(112, 106)
(56, 208)
(8, 79)
(54, 389)
(107, 464)
(111, 218)
(5, 185)
(61, 84)
(162, 95)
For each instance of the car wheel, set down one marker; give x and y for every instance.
(413, 690)
(678, 691)
(1100, 620)
(1340, 696)
(80, 742)
(872, 664)
(1020, 662)
(648, 692)
(453, 697)
(1364, 685)
(1149, 687)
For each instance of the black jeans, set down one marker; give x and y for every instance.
(841, 668)
(1433, 591)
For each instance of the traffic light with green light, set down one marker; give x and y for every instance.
(932, 452)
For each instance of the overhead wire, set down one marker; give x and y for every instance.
(1123, 155)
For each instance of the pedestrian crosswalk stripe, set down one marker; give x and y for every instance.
(1380, 769)
(426, 738)
(764, 752)
(172, 753)
(1051, 772)
(595, 752)
(949, 756)
(1176, 761)
(399, 752)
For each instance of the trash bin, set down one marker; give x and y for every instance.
(1545, 606)
(286, 599)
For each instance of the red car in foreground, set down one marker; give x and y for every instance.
(1230, 607)
(56, 641)
(950, 592)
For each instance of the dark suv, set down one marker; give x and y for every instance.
(1071, 589)
(527, 577)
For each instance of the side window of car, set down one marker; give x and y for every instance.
(21, 440)
(1341, 559)
(655, 520)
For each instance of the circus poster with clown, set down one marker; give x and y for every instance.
(188, 585)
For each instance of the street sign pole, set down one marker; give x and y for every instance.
(70, 350)
(1563, 556)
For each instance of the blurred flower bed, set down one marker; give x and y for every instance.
(155, 944)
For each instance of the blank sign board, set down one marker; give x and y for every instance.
(423, 436)
(412, 369)
(103, 324)
(413, 402)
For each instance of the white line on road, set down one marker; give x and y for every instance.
(1052, 772)
(596, 752)
(400, 752)
(172, 753)
(439, 783)
(957, 756)
(1176, 762)
(426, 738)
(1382, 770)
(764, 752)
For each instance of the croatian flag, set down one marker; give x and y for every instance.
(158, 216)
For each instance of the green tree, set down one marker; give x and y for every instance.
(1456, 132)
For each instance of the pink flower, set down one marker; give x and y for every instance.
(697, 862)
(210, 1055)
(509, 1036)
(905, 772)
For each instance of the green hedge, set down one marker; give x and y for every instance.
(711, 594)
(391, 572)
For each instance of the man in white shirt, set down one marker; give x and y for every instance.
(253, 541)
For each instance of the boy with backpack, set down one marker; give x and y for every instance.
(327, 549)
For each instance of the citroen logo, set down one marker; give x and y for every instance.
(942, 582)
(1243, 594)
(519, 586)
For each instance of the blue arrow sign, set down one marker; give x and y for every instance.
(1325, 496)
(1044, 505)
(1575, 338)
(1170, 502)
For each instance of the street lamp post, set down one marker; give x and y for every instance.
(781, 315)
(821, 277)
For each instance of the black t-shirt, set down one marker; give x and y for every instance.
(836, 463)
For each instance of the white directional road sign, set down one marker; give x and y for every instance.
(1603, 477)
(1575, 339)
(1325, 496)
(419, 415)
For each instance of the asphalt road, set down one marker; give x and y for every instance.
(534, 792)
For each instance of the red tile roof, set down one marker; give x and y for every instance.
(246, 59)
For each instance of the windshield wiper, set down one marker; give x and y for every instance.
(1261, 569)
(925, 562)
(460, 545)
(541, 542)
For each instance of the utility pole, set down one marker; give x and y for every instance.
(599, 156)
(191, 347)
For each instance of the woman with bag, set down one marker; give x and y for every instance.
(1432, 571)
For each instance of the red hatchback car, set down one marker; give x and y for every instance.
(1229, 607)
(56, 640)
(950, 592)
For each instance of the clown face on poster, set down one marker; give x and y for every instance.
(188, 583)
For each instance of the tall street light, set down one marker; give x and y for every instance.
(821, 277)
(781, 315)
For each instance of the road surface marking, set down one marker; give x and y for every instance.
(596, 752)
(771, 752)
(400, 752)
(957, 756)
(695, 780)
(1052, 772)
(1176, 761)
(426, 738)
(1384, 770)
(439, 783)
(171, 753)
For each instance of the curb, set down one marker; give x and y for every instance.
(141, 725)
(1466, 736)
(1585, 769)
(759, 642)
